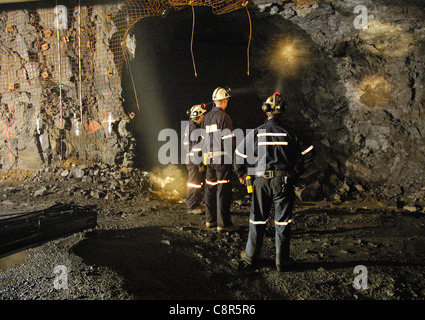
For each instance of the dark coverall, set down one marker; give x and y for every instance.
(195, 178)
(278, 153)
(218, 150)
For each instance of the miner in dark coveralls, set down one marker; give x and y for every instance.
(277, 155)
(219, 151)
(192, 142)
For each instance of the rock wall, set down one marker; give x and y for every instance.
(357, 90)
(60, 88)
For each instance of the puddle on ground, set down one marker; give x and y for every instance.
(11, 260)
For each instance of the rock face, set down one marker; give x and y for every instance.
(357, 89)
(60, 89)
(351, 72)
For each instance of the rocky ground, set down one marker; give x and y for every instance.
(146, 246)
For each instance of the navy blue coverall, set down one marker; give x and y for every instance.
(275, 153)
(191, 142)
(219, 149)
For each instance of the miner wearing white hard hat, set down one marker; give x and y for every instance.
(192, 142)
(218, 154)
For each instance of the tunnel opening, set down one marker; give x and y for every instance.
(160, 84)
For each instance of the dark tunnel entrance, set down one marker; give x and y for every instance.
(283, 58)
(164, 78)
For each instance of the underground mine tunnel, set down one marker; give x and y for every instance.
(87, 87)
(103, 86)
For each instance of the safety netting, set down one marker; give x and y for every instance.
(62, 62)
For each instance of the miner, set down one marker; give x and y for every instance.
(218, 152)
(195, 167)
(281, 155)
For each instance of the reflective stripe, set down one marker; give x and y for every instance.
(185, 143)
(214, 183)
(228, 136)
(307, 150)
(192, 185)
(211, 128)
(283, 223)
(210, 155)
(196, 149)
(211, 183)
(258, 222)
(271, 134)
(273, 143)
(241, 154)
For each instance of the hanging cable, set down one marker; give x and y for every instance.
(249, 42)
(132, 80)
(191, 41)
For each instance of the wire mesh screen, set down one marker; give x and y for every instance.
(61, 65)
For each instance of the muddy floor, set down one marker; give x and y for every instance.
(148, 247)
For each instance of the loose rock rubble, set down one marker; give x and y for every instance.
(146, 246)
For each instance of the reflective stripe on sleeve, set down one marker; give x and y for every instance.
(307, 150)
(211, 128)
(241, 154)
(227, 136)
(273, 143)
(271, 134)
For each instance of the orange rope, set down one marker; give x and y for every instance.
(249, 42)
(191, 41)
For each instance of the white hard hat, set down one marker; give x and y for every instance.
(196, 111)
(221, 94)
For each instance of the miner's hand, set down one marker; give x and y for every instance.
(243, 179)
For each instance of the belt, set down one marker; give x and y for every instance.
(268, 174)
(212, 154)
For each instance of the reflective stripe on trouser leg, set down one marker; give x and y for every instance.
(218, 194)
(193, 187)
(282, 240)
(283, 205)
(260, 210)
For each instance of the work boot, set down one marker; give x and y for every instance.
(285, 265)
(196, 211)
(230, 228)
(245, 258)
(211, 224)
(247, 264)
